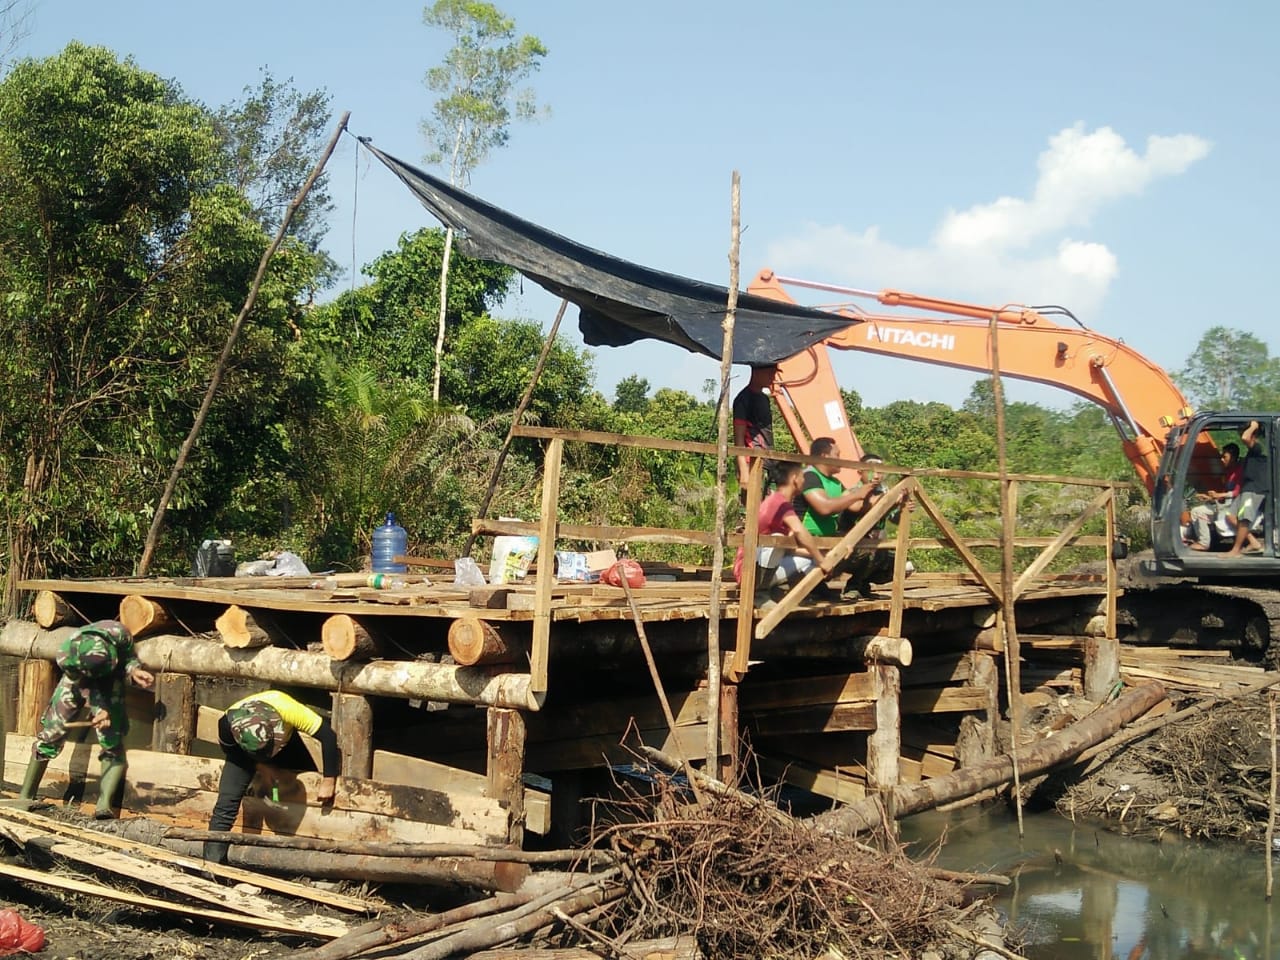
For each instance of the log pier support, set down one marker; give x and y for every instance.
(1101, 668)
(175, 716)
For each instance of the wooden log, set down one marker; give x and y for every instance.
(1101, 668)
(36, 680)
(906, 799)
(240, 630)
(474, 641)
(50, 610)
(889, 650)
(409, 680)
(344, 638)
(175, 718)
(666, 948)
(506, 740)
(353, 724)
(884, 743)
(143, 616)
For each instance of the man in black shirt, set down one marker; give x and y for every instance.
(1254, 486)
(753, 419)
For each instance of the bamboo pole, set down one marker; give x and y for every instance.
(714, 677)
(657, 685)
(483, 510)
(220, 369)
(1012, 665)
(1271, 811)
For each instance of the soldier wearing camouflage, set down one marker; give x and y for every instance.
(95, 662)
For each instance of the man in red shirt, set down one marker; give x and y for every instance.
(781, 568)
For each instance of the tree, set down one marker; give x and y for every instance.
(480, 95)
(123, 257)
(271, 139)
(631, 395)
(1231, 370)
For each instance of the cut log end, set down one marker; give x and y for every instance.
(345, 639)
(50, 610)
(142, 616)
(473, 641)
(237, 628)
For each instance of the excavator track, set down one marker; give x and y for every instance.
(1180, 612)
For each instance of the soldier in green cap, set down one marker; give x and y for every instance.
(259, 729)
(95, 662)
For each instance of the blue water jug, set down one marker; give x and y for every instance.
(389, 541)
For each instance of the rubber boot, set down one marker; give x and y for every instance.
(31, 782)
(109, 785)
(216, 852)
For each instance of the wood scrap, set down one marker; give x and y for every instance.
(311, 928)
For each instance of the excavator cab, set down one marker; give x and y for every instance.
(1194, 524)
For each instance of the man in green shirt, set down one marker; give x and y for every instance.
(828, 509)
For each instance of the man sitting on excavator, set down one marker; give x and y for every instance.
(1255, 482)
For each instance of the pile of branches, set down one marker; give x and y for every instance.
(1207, 777)
(746, 880)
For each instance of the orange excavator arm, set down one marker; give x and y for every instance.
(1138, 395)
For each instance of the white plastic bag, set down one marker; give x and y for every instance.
(512, 557)
(288, 565)
(466, 573)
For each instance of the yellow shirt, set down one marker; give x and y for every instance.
(293, 713)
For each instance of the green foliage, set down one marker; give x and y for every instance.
(123, 258)
(631, 395)
(478, 83)
(270, 140)
(1231, 370)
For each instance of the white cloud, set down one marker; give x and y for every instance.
(1013, 248)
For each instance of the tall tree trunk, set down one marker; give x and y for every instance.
(444, 305)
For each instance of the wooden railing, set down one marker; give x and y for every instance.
(907, 494)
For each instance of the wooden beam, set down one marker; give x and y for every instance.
(884, 743)
(405, 679)
(175, 717)
(505, 737)
(1061, 540)
(353, 724)
(900, 568)
(807, 691)
(747, 584)
(952, 536)
(36, 680)
(397, 768)
(541, 655)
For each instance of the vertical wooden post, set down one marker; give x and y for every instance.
(541, 653)
(977, 740)
(884, 744)
(505, 767)
(36, 680)
(1101, 667)
(900, 566)
(1112, 578)
(747, 585)
(175, 723)
(722, 460)
(353, 724)
(728, 717)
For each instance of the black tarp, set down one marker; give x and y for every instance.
(618, 302)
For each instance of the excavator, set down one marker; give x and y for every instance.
(1181, 594)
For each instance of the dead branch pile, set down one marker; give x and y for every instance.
(747, 882)
(1207, 777)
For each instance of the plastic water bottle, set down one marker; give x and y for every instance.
(389, 541)
(384, 581)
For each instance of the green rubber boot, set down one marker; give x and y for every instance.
(31, 782)
(109, 785)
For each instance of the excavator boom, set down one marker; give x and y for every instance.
(1139, 396)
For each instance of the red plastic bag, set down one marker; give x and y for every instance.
(18, 936)
(627, 568)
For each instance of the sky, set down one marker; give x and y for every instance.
(1115, 158)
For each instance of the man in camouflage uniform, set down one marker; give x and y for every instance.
(259, 729)
(95, 662)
